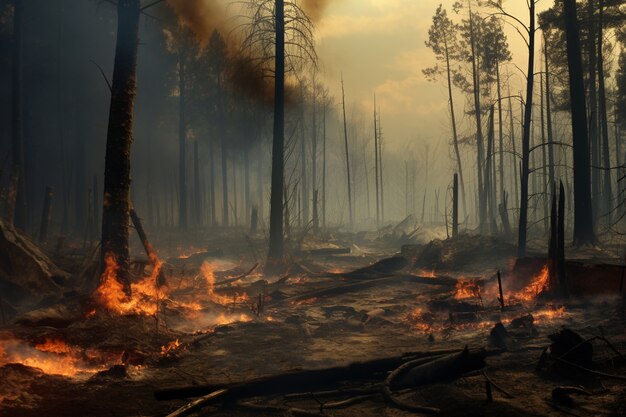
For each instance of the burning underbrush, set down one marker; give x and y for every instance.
(477, 304)
(55, 356)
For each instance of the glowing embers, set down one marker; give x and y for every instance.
(208, 272)
(54, 356)
(467, 288)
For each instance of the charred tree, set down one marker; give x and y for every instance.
(523, 217)
(116, 204)
(278, 168)
(583, 213)
(607, 193)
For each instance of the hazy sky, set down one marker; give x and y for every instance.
(379, 47)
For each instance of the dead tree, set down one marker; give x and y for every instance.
(455, 207)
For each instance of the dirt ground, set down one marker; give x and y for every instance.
(228, 342)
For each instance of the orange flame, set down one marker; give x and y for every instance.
(208, 272)
(171, 347)
(539, 284)
(418, 320)
(145, 293)
(467, 289)
(53, 357)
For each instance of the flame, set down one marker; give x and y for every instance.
(538, 284)
(418, 320)
(171, 347)
(550, 313)
(145, 293)
(305, 302)
(53, 346)
(208, 272)
(52, 356)
(467, 289)
(426, 274)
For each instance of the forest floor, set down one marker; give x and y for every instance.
(74, 359)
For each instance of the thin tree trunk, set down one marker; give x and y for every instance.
(606, 160)
(278, 180)
(345, 133)
(196, 186)
(316, 223)
(583, 214)
(116, 204)
(246, 185)
(212, 184)
(593, 106)
(549, 115)
(182, 146)
(479, 134)
(544, 188)
(455, 137)
(523, 218)
(45, 215)
(376, 166)
(514, 154)
(500, 131)
(324, 169)
(304, 182)
(17, 189)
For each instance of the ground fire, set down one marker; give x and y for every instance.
(240, 208)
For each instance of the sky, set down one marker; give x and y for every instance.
(378, 46)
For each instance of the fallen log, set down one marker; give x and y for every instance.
(297, 381)
(328, 251)
(362, 285)
(382, 268)
(237, 278)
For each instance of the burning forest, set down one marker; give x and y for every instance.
(312, 208)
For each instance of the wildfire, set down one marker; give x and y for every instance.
(539, 284)
(53, 346)
(548, 314)
(467, 289)
(426, 274)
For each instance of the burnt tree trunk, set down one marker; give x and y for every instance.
(455, 207)
(116, 204)
(16, 213)
(523, 216)
(583, 214)
(606, 157)
(45, 215)
(345, 135)
(276, 244)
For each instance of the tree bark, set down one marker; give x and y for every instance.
(593, 106)
(278, 180)
(583, 213)
(116, 204)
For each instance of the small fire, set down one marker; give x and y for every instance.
(52, 356)
(549, 314)
(419, 321)
(208, 272)
(426, 274)
(467, 289)
(145, 293)
(539, 284)
(53, 346)
(170, 348)
(305, 302)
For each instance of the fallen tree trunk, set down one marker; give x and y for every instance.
(328, 251)
(297, 381)
(362, 285)
(382, 268)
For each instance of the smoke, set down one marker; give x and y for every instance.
(315, 8)
(201, 17)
